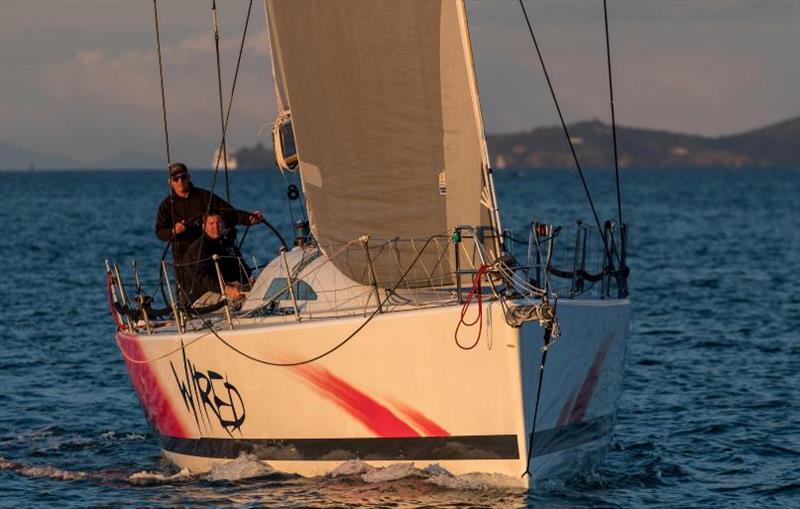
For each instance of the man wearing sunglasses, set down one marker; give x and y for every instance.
(180, 213)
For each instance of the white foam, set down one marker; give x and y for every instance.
(52, 472)
(351, 467)
(474, 481)
(43, 471)
(146, 477)
(243, 467)
(393, 472)
(80, 442)
(553, 484)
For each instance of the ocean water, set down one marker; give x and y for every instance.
(709, 417)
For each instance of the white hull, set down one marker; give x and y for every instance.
(400, 391)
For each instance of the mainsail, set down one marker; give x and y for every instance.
(387, 127)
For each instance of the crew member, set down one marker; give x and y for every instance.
(185, 205)
(200, 267)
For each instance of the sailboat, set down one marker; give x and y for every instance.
(398, 327)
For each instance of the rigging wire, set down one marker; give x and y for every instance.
(548, 332)
(566, 130)
(230, 103)
(209, 325)
(161, 75)
(230, 99)
(341, 343)
(613, 116)
(233, 87)
(164, 114)
(223, 150)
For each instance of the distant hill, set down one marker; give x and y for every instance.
(14, 157)
(777, 144)
(774, 146)
(255, 158)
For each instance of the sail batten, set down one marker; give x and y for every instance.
(386, 121)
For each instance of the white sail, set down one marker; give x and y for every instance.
(387, 127)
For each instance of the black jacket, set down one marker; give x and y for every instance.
(192, 208)
(199, 274)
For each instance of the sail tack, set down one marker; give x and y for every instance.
(387, 128)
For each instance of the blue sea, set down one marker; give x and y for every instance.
(709, 417)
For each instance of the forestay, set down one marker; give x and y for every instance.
(387, 128)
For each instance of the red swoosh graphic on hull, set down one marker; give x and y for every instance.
(565, 410)
(153, 398)
(589, 383)
(379, 419)
(421, 421)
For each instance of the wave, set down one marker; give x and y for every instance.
(248, 468)
(242, 468)
(150, 478)
(433, 474)
(49, 472)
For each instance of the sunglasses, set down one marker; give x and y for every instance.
(178, 178)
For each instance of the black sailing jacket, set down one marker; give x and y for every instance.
(192, 208)
(199, 272)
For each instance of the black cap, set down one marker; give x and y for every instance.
(176, 169)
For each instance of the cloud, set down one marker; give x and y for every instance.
(83, 80)
(98, 87)
(705, 67)
(123, 80)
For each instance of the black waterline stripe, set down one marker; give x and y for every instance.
(406, 448)
(342, 449)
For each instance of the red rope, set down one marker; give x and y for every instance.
(477, 289)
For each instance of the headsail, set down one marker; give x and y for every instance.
(387, 127)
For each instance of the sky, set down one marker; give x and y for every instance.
(79, 78)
